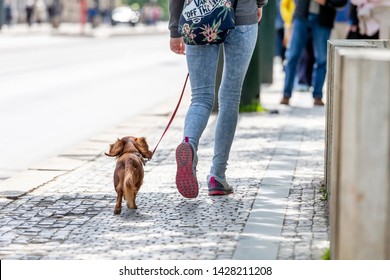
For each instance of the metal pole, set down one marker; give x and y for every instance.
(267, 45)
(83, 15)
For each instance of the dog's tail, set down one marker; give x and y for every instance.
(133, 175)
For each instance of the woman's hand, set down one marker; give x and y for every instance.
(259, 14)
(177, 45)
(287, 35)
(321, 2)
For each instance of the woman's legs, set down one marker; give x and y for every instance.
(321, 35)
(238, 50)
(294, 51)
(202, 64)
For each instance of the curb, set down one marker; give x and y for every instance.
(76, 30)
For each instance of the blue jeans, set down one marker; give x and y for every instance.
(202, 64)
(299, 37)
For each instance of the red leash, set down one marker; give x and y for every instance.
(173, 114)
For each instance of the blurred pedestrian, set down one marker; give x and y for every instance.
(342, 23)
(29, 11)
(316, 17)
(287, 8)
(353, 28)
(303, 77)
(54, 13)
(280, 46)
(51, 11)
(147, 14)
(40, 11)
(202, 62)
(373, 16)
(157, 13)
(8, 14)
(93, 15)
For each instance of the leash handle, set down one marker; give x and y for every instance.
(173, 114)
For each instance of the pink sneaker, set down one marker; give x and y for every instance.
(186, 159)
(218, 186)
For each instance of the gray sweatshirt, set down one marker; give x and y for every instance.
(246, 13)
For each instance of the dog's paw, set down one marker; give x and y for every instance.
(117, 211)
(132, 206)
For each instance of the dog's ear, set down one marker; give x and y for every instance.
(116, 149)
(142, 146)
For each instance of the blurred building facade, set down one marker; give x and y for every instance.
(70, 9)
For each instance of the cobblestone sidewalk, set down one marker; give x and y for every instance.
(276, 211)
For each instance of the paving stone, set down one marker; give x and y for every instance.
(71, 215)
(22, 183)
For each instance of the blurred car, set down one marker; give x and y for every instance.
(124, 15)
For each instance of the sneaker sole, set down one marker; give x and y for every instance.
(211, 193)
(186, 182)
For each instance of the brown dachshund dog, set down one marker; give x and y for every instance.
(131, 154)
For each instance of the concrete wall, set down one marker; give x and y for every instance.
(358, 150)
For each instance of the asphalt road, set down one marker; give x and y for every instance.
(57, 91)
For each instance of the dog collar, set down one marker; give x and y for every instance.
(144, 160)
